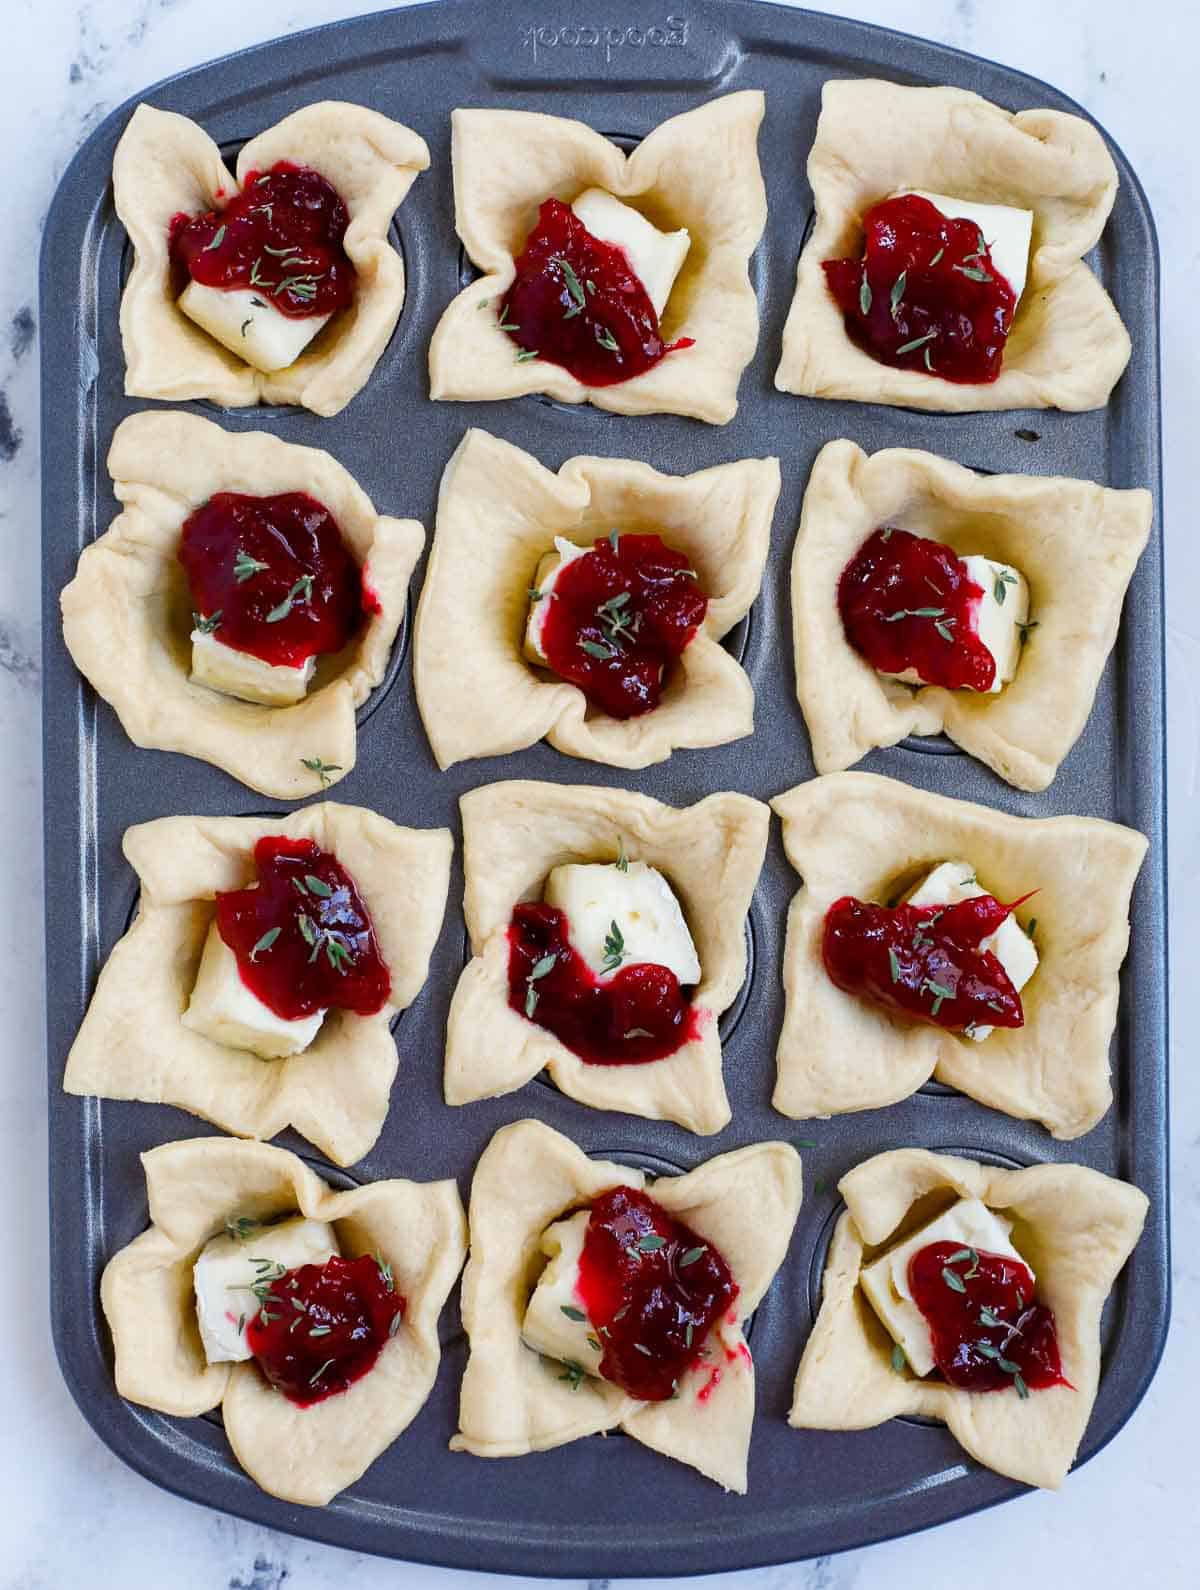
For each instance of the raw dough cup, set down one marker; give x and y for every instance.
(126, 614)
(132, 1044)
(166, 164)
(859, 834)
(506, 162)
(513, 1402)
(498, 512)
(1067, 347)
(513, 835)
(304, 1455)
(1076, 1227)
(1076, 543)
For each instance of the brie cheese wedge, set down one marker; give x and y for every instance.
(642, 904)
(1007, 231)
(655, 257)
(243, 320)
(1010, 944)
(555, 1323)
(968, 1224)
(225, 1010)
(246, 677)
(549, 568)
(228, 1267)
(998, 621)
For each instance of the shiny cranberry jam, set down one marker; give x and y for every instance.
(988, 1333)
(281, 236)
(576, 302)
(652, 1290)
(926, 295)
(618, 617)
(321, 1327)
(640, 1013)
(923, 962)
(303, 938)
(908, 602)
(271, 576)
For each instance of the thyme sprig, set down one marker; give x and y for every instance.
(205, 626)
(540, 969)
(614, 948)
(300, 592)
(314, 764)
(245, 567)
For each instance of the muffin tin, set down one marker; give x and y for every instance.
(597, 1507)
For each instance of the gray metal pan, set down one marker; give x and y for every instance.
(598, 1507)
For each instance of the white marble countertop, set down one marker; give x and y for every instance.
(73, 1510)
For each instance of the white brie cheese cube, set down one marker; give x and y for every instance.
(639, 900)
(546, 1327)
(655, 257)
(224, 1276)
(969, 1224)
(224, 1009)
(548, 571)
(997, 621)
(248, 678)
(1007, 231)
(245, 322)
(1010, 944)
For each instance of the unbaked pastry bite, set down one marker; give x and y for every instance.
(277, 286)
(588, 606)
(267, 960)
(929, 599)
(607, 938)
(308, 1316)
(244, 603)
(616, 280)
(936, 938)
(970, 1295)
(599, 1298)
(945, 269)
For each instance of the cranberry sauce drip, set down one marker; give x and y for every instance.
(321, 1327)
(988, 1333)
(638, 1014)
(908, 602)
(652, 1290)
(618, 617)
(926, 295)
(923, 961)
(576, 302)
(303, 938)
(281, 235)
(272, 576)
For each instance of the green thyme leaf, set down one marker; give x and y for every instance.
(606, 340)
(928, 358)
(622, 861)
(300, 592)
(952, 1279)
(525, 354)
(693, 1254)
(987, 1318)
(385, 1271)
(944, 627)
(936, 258)
(540, 969)
(917, 342)
(572, 1313)
(650, 1243)
(1027, 629)
(573, 284)
(316, 1375)
(320, 1330)
(1003, 578)
(597, 648)
(899, 1359)
(315, 765)
(241, 1227)
(614, 948)
(318, 886)
(505, 323)
(573, 1373)
(864, 295)
(687, 1335)
(972, 273)
(1032, 928)
(642, 1349)
(281, 253)
(264, 943)
(249, 321)
(913, 612)
(898, 292)
(218, 238)
(894, 964)
(205, 626)
(483, 303)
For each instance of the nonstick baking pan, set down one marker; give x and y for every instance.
(599, 1506)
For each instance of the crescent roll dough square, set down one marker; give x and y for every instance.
(132, 1044)
(127, 614)
(699, 170)
(304, 1455)
(498, 512)
(512, 1401)
(514, 834)
(862, 835)
(1077, 545)
(166, 165)
(1067, 347)
(1075, 1226)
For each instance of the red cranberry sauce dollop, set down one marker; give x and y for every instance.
(281, 235)
(652, 1290)
(618, 617)
(924, 962)
(322, 1326)
(908, 602)
(303, 938)
(926, 295)
(576, 302)
(272, 576)
(640, 1013)
(988, 1333)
